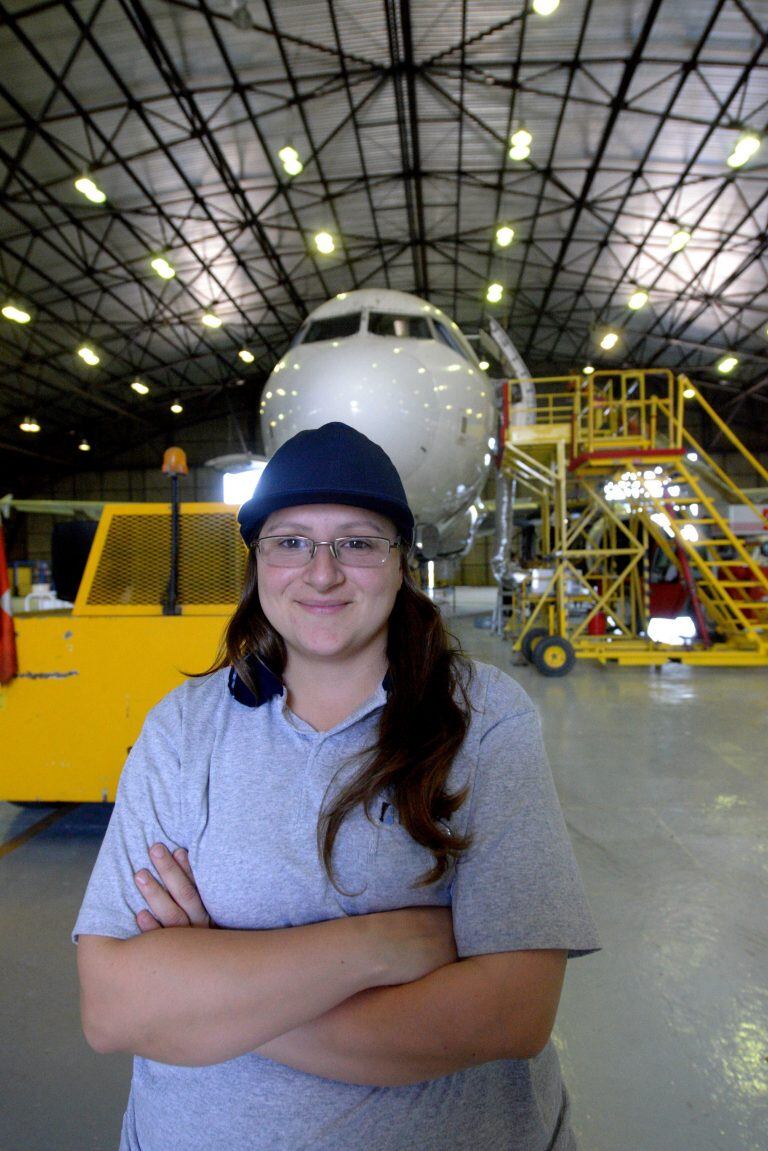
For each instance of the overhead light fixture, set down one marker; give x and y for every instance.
(18, 315)
(484, 365)
(521, 141)
(176, 407)
(745, 147)
(241, 16)
(609, 340)
(87, 354)
(140, 388)
(727, 364)
(638, 299)
(86, 186)
(162, 267)
(692, 456)
(211, 320)
(688, 393)
(289, 158)
(29, 424)
(324, 243)
(545, 7)
(504, 236)
(246, 356)
(587, 370)
(84, 446)
(494, 293)
(678, 240)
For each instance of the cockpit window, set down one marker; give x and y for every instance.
(332, 328)
(445, 334)
(403, 327)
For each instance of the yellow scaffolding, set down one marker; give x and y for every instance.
(608, 462)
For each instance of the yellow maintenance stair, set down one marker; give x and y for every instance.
(624, 489)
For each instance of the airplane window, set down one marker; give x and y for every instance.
(404, 327)
(447, 337)
(332, 328)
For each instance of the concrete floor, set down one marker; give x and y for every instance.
(663, 1036)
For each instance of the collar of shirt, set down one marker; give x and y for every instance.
(267, 683)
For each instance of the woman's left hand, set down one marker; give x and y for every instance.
(178, 902)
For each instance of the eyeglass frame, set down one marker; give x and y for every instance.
(331, 544)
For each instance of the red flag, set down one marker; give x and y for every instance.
(8, 662)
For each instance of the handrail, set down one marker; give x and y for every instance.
(735, 441)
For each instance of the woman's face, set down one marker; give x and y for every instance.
(326, 610)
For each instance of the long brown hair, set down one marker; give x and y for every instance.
(422, 726)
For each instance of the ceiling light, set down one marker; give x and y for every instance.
(727, 364)
(587, 370)
(494, 293)
(139, 387)
(18, 315)
(246, 356)
(84, 446)
(88, 355)
(241, 17)
(743, 149)
(519, 152)
(678, 240)
(29, 424)
(90, 190)
(692, 456)
(521, 138)
(163, 268)
(324, 243)
(504, 236)
(545, 7)
(176, 407)
(289, 158)
(638, 299)
(688, 393)
(609, 340)
(484, 365)
(211, 320)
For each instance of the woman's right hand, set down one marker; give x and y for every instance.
(410, 943)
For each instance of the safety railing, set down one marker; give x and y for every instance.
(638, 409)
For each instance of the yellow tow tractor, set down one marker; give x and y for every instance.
(159, 585)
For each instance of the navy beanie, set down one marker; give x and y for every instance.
(334, 464)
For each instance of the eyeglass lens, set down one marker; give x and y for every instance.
(296, 551)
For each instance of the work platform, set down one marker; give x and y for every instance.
(621, 483)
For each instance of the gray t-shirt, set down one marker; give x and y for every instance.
(241, 787)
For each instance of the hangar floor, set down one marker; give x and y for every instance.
(663, 1035)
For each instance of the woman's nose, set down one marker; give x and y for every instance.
(324, 570)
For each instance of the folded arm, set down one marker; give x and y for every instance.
(193, 997)
(483, 1008)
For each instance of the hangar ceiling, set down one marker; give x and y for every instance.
(401, 114)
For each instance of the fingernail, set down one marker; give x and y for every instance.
(157, 851)
(142, 877)
(180, 853)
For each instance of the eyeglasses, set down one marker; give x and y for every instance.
(298, 551)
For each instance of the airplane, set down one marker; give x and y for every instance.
(402, 372)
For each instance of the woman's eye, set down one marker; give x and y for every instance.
(292, 543)
(356, 544)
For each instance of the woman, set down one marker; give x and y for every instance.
(370, 822)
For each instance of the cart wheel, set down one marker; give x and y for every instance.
(530, 642)
(554, 656)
